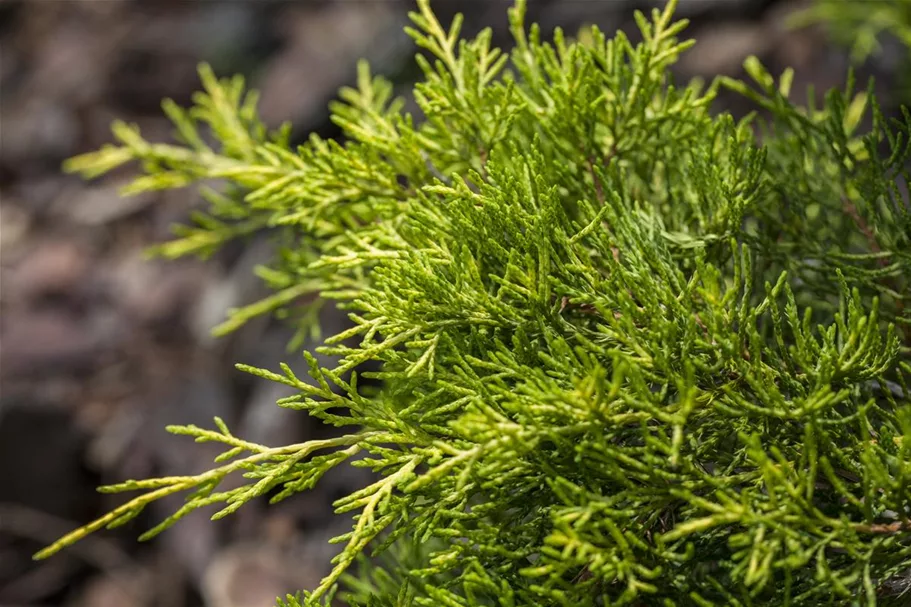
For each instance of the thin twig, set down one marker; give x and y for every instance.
(599, 190)
(884, 528)
(851, 210)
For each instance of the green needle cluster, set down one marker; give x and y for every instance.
(628, 351)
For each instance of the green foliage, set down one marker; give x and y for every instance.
(860, 24)
(630, 352)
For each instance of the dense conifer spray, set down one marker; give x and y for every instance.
(630, 352)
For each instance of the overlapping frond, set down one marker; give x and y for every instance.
(630, 352)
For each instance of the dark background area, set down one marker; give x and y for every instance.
(100, 348)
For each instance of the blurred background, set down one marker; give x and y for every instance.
(100, 348)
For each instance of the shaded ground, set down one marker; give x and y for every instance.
(101, 348)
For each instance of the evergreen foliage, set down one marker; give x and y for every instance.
(862, 24)
(629, 352)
